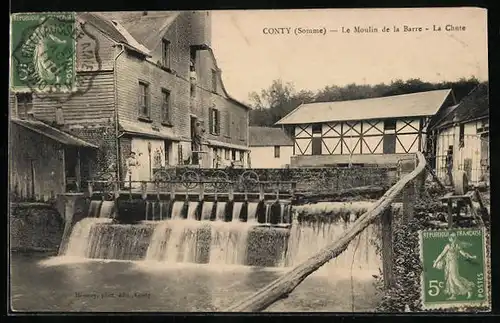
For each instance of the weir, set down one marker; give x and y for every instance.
(213, 228)
(218, 233)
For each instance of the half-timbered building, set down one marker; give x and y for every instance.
(367, 131)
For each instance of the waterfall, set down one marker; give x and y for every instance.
(282, 213)
(206, 210)
(308, 238)
(192, 206)
(80, 236)
(94, 208)
(175, 241)
(220, 211)
(177, 210)
(268, 213)
(107, 208)
(252, 212)
(229, 243)
(237, 211)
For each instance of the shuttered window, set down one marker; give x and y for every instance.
(228, 124)
(144, 100)
(214, 121)
(165, 106)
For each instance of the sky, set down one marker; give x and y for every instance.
(251, 59)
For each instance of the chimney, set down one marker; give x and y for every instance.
(201, 24)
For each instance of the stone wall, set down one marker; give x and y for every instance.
(35, 227)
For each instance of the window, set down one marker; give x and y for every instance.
(213, 120)
(226, 154)
(233, 154)
(24, 105)
(390, 124)
(214, 80)
(276, 151)
(143, 100)
(165, 53)
(165, 106)
(462, 135)
(242, 129)
(228, 124)
(316, 128)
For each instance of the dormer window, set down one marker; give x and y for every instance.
(165, 53)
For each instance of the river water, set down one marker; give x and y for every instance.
(186, 265)
(42, 283)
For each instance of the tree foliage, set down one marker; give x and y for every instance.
(280, 98)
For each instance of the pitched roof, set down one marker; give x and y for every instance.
(107, 26)
(414, 104)
(474, 106)
(266, 136)
(148, 29)
(52, 133)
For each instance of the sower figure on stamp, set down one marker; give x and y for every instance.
(448, 260)
(132, 170)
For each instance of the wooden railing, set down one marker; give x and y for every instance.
(281, 287)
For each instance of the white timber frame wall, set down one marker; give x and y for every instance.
(470, 144)
(407, 135)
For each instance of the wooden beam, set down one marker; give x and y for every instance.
(281, 287)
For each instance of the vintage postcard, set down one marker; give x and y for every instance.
(250, 161)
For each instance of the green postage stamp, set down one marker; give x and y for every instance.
(43, 47)
(454, 268)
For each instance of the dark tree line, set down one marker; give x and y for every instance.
(273, 103)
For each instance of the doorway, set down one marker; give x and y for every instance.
(316, 145)
(194, 140)
(72, 169)
(389, 144)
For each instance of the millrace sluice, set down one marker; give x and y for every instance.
(200, 225)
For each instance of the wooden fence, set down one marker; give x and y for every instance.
(281, 287)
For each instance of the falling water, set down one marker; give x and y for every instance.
(94, 208)
(177, 210)
(220, 211)
(252, 212)
(308, 238)
(147, 215)
(106, 209)
(282, 214)
(181, 242)
(80, 236)
(206, 210)
(192, 206)
(268, 213)
(229, 243)
(237, 210)
(158, 241)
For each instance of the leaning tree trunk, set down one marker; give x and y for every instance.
(281, 287)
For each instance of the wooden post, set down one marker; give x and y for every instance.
(230, 194)
(408, 201)
(387, 251)
(202, 191)
(262, 193)
(450, 214)
(172, 191)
